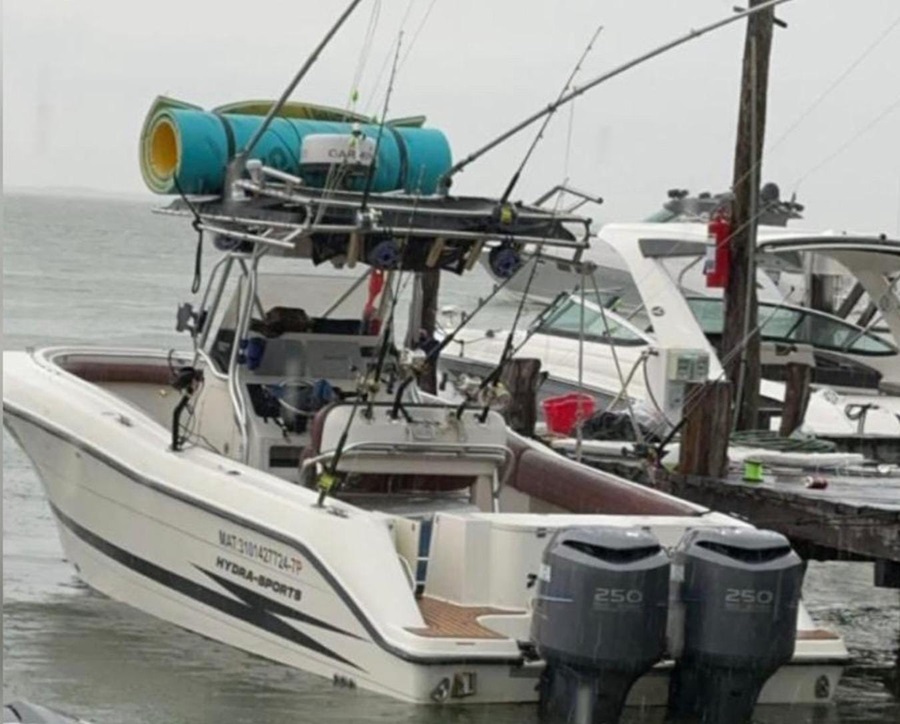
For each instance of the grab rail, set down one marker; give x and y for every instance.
(420, 448)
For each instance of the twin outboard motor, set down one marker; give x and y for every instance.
(599, 620)
(733, 621)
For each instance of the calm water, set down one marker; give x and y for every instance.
(96, 271)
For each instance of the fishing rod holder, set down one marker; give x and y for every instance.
(562, 190)
(386, 230)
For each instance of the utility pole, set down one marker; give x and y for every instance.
(740, 343)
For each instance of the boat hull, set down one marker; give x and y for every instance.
(184, 539)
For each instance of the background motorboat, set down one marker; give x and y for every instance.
(855, 370)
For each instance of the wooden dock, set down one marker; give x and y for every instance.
(853, 518)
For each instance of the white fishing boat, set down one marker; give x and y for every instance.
(202, 502)
(286, 488)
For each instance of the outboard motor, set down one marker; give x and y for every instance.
(740, 590)
(599, 620)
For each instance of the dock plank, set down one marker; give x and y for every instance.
(852, 517)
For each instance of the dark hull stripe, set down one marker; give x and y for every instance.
(253, 608)
(255, 600)
(140, 479)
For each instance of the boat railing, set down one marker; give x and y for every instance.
(238, 401)
(498, 455)
(282, 214)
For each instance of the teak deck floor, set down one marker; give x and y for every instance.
(448, 620)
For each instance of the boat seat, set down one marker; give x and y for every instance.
(381, 482)
(279, 320)
(577, 488)
(317, 428)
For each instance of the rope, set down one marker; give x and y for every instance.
(816, 103)
(861, 132)
(803, 116)
(637, 428)
(417, 31)
(840, 79)
(770, 440)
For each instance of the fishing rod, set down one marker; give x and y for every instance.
(540, 134)
(389, 324)
(509, 348)
(387, 99)
(507, 353)
(386, 337)
(447, 178)
(328, 477)
(238, 163)
(436, 351)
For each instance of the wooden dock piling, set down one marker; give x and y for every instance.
(521, 377)
(796, 397)
(704, 437)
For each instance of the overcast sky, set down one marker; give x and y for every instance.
(79, 76)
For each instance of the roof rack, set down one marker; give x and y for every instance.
(393, 230)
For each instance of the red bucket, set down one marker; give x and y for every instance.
(564, 412)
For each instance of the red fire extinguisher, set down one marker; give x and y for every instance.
(718, 259)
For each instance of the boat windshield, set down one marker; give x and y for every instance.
(564, 320)
(799, 326)
(663, 216)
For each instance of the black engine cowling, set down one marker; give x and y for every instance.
(739, 600)
(599, 620)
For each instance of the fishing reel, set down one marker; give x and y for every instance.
(476, 393)
(495, 397)
(504, 260)
(412, 361)
(368, 385)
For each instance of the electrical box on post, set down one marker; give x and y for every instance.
(669, 371)
(687, 365)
